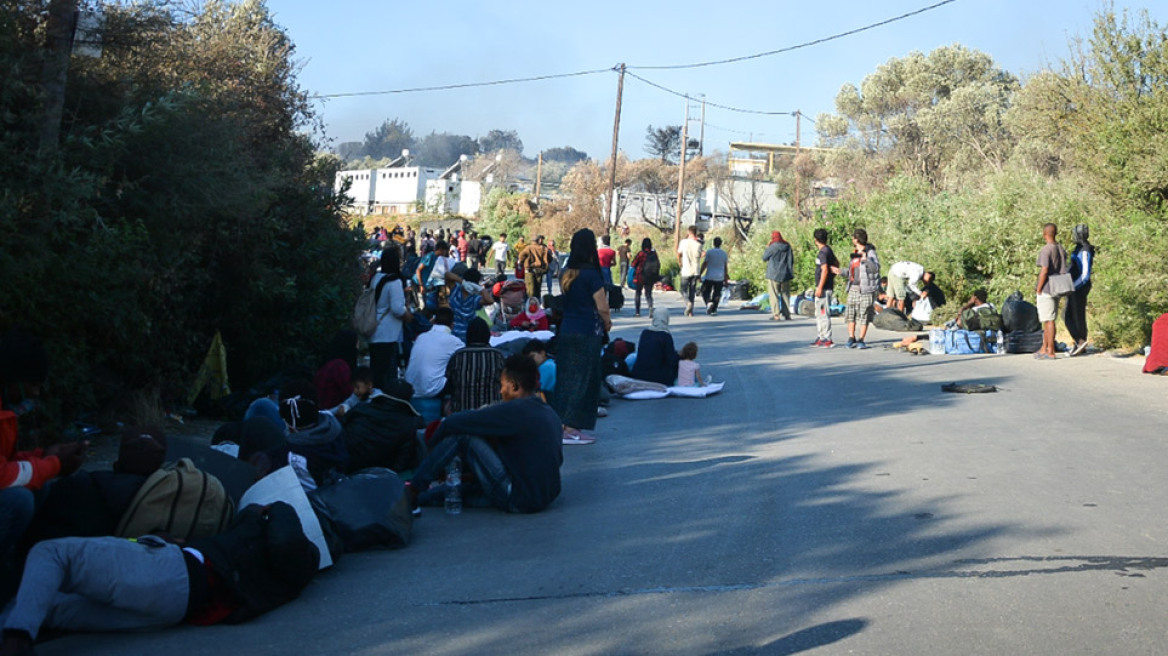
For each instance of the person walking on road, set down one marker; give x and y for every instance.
(1082, 266)
(624, 253)
(500, 250)
(826, 267)
(780, 271)
(646, 270)
(863, 283)
(607, 258)
(534, 262)
(689, 255)
(714, 268)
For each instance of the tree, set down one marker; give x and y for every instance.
(565, 154)
(441, 149)
(388, 140)
(497, 140)
(929, 115)
(663, 143)
(586, 184)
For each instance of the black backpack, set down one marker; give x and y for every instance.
(651, 269)
(616, 297)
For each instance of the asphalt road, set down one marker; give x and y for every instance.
(833, 501)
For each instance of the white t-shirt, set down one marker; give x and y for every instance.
(442, 265)
(910, 271)
(690, 254)
(501, 248)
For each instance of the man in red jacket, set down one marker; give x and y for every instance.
(23, 368)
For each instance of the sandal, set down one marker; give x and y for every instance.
(1043, 356)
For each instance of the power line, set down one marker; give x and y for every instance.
(466, 85)
(708, 103)
(801, 45)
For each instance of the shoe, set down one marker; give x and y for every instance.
(601, 412)
(713, 313)
(689, 309)
(860, 345)
(576, 437)
(412, 496)
(636, 314)
(827, 343)
(1079, 348)
(816, 344)
(851, 342)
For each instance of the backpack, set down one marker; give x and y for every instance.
(180, 500)
(892, 319)
(365, 318)
(651, 269)
(982, 318)
(616, 297)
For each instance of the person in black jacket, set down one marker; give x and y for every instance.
(261, 562)
(656, 355)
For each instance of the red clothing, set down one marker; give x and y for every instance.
(333, 383)
(638, 263)
(463, 247)
(29, 469)
(607, 257)
(522, 318)
(1158, 358)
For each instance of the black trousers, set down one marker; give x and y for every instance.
(1075, 315)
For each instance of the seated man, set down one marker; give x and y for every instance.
(656, 355)
(313, 435)
(111, 584)
(432, 350)
(472, 374)
(513, 448)
(382, 431)
(23, 368)
(975, 302)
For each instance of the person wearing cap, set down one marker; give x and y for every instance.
(780, 271)
(23, 369)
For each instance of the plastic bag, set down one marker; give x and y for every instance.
(369, 509)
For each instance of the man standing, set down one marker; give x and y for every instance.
(780, 271)
(607, 258)
(903, 278)
(863, 283)
(500, 250)
(533, 259)
(624, 253)
(430, 355)
(689, 254)
(1052, 259)
(714, 268)
(826, 266)
(514, 448)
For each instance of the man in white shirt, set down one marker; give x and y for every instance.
(432, 350)
(500, 250)
(902, 278)
(689, 254)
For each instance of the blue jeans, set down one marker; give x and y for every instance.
(492, 484)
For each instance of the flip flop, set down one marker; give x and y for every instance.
(1042, 356)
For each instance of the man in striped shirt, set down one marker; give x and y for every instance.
(472, 374)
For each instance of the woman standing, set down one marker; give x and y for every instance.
(1082, 264)
(643, 278)
(391, 313)
(582, 332)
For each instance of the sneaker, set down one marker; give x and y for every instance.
(601, 412)
(412, 496)
(816, 344)
(577, 437)
(827, 343)
(851, 342)
(860, 344)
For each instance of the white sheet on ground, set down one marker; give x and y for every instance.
(512, 335)
(685, 392)
(283, 485)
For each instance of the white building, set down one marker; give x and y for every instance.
(718, 202)
(451, 193)
(397, 188)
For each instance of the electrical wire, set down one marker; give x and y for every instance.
(708, 103)
(807, 44)
(466, 85)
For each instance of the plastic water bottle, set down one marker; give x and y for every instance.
(1001, 343)
(454, 487)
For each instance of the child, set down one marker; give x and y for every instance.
(689, 372)
(363, 390)
(532, 318)
(547, 367)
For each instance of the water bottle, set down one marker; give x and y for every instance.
(454, 487)
(1001, 343)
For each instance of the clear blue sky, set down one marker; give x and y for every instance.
(371, 45)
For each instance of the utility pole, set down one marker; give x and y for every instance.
(58, 45)
(610, 198)
(702, 133)
(538, 175)
(795, 165)
(681, 176)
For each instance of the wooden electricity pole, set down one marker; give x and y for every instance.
(62, 20)
(795, 165)
(610, 198)
(702, 134)
(681, 176)
(538, 175)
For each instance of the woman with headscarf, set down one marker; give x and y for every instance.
(656, 355)
(532, 318)
(643, 280)
(391, 314)
(780, 271)
(583, 329)
(1082, 266)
